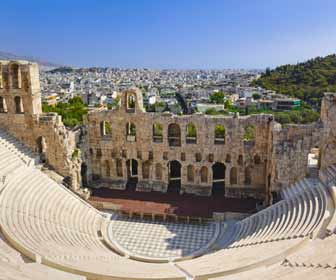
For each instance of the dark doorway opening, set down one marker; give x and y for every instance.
(84, 175)
(174, 168)
(132, 174)
(218, 179)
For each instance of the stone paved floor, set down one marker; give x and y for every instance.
(157, 239)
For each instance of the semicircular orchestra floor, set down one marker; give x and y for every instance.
(161, 239)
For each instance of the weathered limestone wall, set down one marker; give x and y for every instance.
(106, 150)
(328, 139)
(275, 158)
(21, 115)
(291, 146)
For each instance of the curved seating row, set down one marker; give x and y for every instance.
(17, 148)
(49, 224)
(298, 215)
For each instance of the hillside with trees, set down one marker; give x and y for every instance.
(306, 81)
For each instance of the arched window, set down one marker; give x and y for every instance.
(105, 129)
(190, 173)
(219, 134)
(158, 171)
(240, 160)
(15, 75)
(3, 106)
(248, 179)
(257, 159)
(130, 103)
(145, 170)
(131, 132)
(174, 135)
(18, 105)
(228, 158)
(204, 174)
(249, 133)
(107, 169)
(233, 176)
(191, 134)
(119, 168)
(157, 133)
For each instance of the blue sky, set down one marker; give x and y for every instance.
(169, 33)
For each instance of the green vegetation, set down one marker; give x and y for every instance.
(249, 134)
(191, 130)
(108, 128)
(302, 115)
(157, 129)
(72, 112)
(115, 104)
(256, 96)
(217, 97)
(75, 154)
(306, 81)
(219, 131)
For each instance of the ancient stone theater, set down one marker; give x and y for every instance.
(140, 195)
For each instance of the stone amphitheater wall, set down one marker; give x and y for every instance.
(276, 157)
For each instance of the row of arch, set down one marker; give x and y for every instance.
(174, 169)
(174, 133)
(12, 78)
(18, 105)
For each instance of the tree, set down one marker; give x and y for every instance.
(256, 96)
(217, 97)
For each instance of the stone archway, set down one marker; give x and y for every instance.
(218, 179)
(84, 174)
(174, 175)
(132, 174)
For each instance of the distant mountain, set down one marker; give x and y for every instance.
(44, 65)
(307, 80)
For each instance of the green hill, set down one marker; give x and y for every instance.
(307, 80)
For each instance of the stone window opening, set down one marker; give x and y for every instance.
(190, 173)
(99, 153)
(16, 76)
(145, 170)
(130, 103)
(211, 157)
(105, 129)
(219, 134)
(183, 156)
(257, 159)
(18, 105)
(313, 162)
(204, 174)
(150, 155)
(228, 158)
(157, 133)
(3, 105)
(107, 169)
(119, 170)
(158, 171)
(248, 176)
(233, 176)
(198, 157)
(131, 132)
(174, 135)
(240, 160)
(249, 134)
(191, 134)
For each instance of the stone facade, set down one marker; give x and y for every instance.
(126, 147)
(21, 115)
(201, 158)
